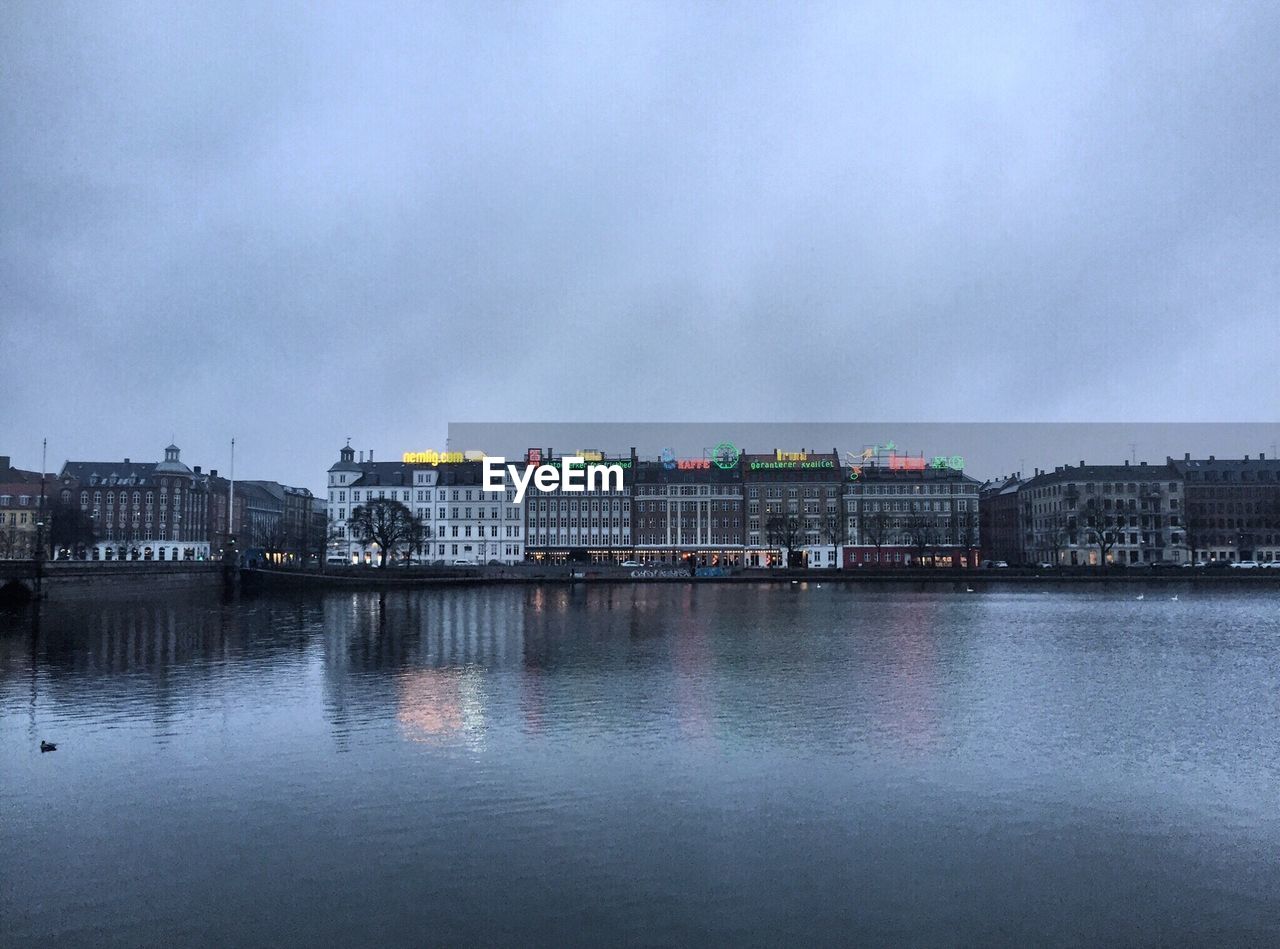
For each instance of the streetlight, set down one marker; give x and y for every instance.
(39, 555)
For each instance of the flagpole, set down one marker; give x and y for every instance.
(231, 502)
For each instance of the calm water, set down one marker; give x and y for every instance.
(644, 765)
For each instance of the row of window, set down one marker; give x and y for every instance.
(1107, 487)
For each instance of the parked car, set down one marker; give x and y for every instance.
(632, 563)
(1245, 564)
(1271, 565)
(462, 563)
(1045, 566)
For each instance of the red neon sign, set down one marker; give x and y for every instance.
(905, 463)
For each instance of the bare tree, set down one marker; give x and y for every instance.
(964, 532)
(785, 531)
(1100, 528)
(419, 539)
(922, 533)
(387, 523)
(834, 530)
(272, 537)
(875, 529)
(71, 528)
(321, 536)
(1195, 528)
(10, 540)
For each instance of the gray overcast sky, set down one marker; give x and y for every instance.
(297, 223)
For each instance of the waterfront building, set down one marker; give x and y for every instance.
(999, 520)
(20, 510)
(460, 521)
(1091, 514)
(793, 508)
(1232, 507)
(141, 510)
(580, 526)
(902, 510)
(353, 483)
(688, 511)
(273, 521)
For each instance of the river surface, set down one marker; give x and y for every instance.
(643, 765)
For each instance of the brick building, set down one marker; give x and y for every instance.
(688, 510)
(911, 514)
(793, 507)
(141, 510)
(20, 510)
(1000, 532)
(1232, 507)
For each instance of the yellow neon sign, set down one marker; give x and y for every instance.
(432, 457)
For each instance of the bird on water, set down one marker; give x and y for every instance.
(47, 746)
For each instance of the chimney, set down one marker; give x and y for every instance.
(126, 461)
(1142, 464)
(1246, 457)
(1126, 462)
(213, 472)
(1186, 456)
(4, 462)
(1081, 462)
(370, 454)
(1211, 458)
(1262, 456)
(196, 469)
(362, 456)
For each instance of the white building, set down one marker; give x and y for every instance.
(461, 522)
(466, 522)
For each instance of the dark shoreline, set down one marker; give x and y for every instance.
(375, 578)
(78, 581)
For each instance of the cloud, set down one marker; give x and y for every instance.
(294, 223)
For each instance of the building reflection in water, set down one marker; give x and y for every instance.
(458, 665)
(692, 658)
(438, 647)
(437, 704)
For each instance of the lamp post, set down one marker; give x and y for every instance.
(44, 450)
(39, 554)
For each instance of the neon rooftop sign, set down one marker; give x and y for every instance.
(433, 457)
